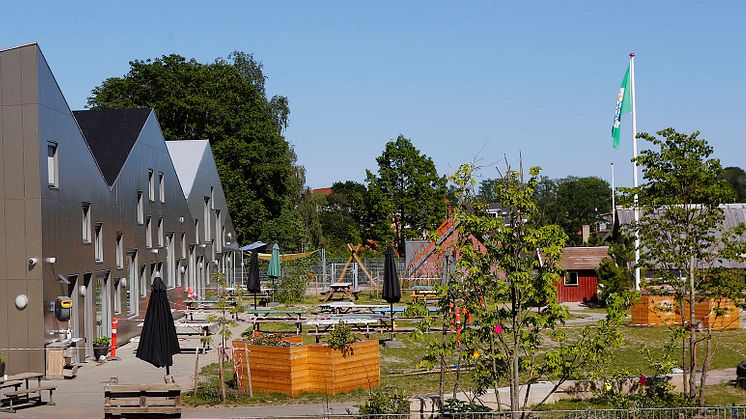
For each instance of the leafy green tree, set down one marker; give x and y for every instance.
(508, 287)
(614, 274)
(736, 178)
(226, 103)
(582, 201)
(683, 235)
(411, 192)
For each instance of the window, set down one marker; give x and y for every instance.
(86, 222)
(151, 185)
(218, 230)
(118, 296)
(160, 232)
(133, 285)
(53, 170)
(161, 188)
(140, 208)
(143, 281)
(98, 248)
(571, 279)
(206, 218)
(148, 232)
(183, 246)
(120, 251)
(212, 197)
(196, 231)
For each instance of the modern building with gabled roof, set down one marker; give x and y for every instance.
(93, 205)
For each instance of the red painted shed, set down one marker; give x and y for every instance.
(580, 281)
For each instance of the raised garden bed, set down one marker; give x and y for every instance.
(307, 368)
(657, 310)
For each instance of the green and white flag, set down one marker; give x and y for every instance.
(623, 105)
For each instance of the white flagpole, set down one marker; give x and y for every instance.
(634, 167)
(613, 197)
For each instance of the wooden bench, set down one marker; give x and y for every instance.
(23, 397)
(142, 400)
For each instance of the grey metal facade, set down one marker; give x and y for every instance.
(47, 223)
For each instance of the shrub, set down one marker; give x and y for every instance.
(385, 400)
(102, 341)
(459, 406)
(268, 339)
(340, 338)
(2, 358)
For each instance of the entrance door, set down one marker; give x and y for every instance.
(88, 319)
(103, 300)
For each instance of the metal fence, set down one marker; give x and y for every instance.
(719, 412)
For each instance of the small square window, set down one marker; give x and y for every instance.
(571, 279)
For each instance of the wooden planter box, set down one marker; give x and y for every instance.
(657, 310)
(307, 368)
(706, 311)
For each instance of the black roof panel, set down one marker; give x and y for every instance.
(111, 134)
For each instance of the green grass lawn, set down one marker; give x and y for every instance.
(400, 367)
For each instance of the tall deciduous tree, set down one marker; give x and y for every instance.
(736, 177)
(683, 235)
(408, 188)
(582, 201)
(507, 285)
(224, 102)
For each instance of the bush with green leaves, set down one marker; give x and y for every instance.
(2, 358)
(268, 339)
(101, 341)
(385, 400)
(460, 406)
(340, 338)
(291, 286)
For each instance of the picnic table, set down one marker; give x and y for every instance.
(23, 397)
(349, 307)
(276, 315)
(360, 323)
(424, 292)
(340, 289)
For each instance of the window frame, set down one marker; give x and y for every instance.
(161, 234)
(570, 274)
(161, 187)
(86, 223)
(140, 208)
(120, 250)
(53, 176)
(149, 232)
(98, 245)
(151, 185)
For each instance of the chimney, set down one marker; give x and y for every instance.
(586, 233)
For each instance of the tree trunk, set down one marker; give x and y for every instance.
(684, 361)
(692, 334)
(709, 349)
(222, 373)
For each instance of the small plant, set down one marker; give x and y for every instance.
(268, 339)
(460, 406)
(2, 358)
(385, 400)
(340, 338)
(102, 341)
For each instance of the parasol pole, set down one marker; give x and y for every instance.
(391, 314)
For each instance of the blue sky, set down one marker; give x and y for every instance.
(460, 79)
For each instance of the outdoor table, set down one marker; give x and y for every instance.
(344, 288)
(294, 316)
(345, 307)
(24, 376)
(361, 323)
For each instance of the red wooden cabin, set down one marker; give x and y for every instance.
(580, 281)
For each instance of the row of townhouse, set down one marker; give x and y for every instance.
(94, 205)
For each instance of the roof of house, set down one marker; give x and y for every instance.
(583, 258)
(111, 134)
(322, 191)
(187, 155)
(734, 214)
